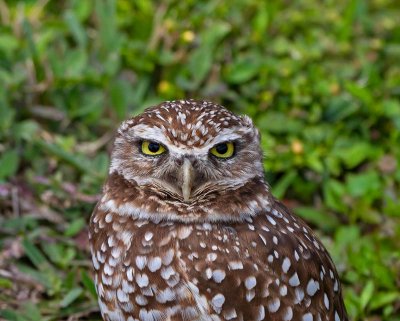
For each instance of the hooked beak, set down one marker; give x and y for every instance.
(187, 178)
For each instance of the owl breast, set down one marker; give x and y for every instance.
(269, 267)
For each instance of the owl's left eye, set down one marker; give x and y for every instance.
(152, 148)
(223, 150)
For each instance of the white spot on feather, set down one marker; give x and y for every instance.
(294, 280)
(250, 282)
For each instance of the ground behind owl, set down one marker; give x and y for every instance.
(320, 80)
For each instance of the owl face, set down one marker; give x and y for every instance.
(187, 149)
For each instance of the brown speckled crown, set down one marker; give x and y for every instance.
(232, 252)
(188, 123)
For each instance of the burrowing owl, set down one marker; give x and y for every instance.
(187, 228)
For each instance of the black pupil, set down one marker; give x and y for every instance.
(221, 148)
(154, 147)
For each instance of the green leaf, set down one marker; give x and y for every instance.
(32, 312)
(9, 162)
(34, 254)
(324, 221)
(201, 60)
(367, 183)
(119, 97)
(334, 192)
(279, 189)
(11, 315)
(75, 27)
(357, 153)
(5, 283)
(278, 123)
(70, 297)
(383, 298)
(89, 284)
(362, 93)
(75, 227)
(26, 130)
(366, 294)
(243, 69)
(76, 161)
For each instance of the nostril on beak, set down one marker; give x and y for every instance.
(179, 161)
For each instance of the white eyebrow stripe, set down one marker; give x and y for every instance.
(157, 134)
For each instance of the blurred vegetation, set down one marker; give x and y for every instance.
(321, 79)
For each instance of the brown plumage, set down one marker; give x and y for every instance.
(187, 228)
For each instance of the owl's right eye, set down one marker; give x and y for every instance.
(152, 148)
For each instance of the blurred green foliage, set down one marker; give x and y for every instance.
(321, 79)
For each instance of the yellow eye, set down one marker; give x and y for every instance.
(223, 150)
(152, 148)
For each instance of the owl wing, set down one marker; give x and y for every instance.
(270, 268)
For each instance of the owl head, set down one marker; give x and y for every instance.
(188, 154)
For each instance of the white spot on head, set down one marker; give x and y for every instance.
(307, 317)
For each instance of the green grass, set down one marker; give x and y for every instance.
(321, 79)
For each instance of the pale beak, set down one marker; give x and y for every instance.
(187, 179)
